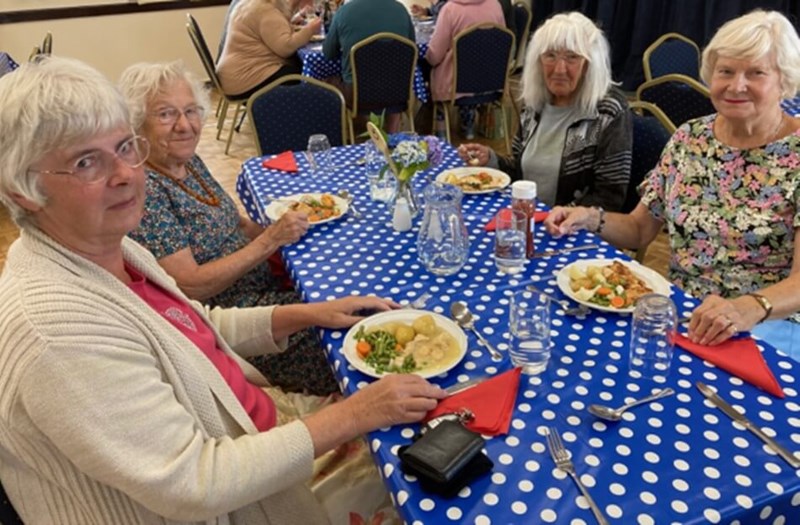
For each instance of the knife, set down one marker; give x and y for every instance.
(466, 385)
(550, 253)
(746, 423)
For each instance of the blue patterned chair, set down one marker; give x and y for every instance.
(199, 42)
(7, 64)
(383, 76)
(672, 53)
(482, 58)
(286, 112)
(680, 98)
(522, 29)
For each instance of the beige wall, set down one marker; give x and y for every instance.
(111, 43)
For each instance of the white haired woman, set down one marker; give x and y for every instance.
(728, 190)
(194, 229)
(124, 401)
(575, 135)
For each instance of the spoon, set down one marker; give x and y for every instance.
(344, 194)
(459, 311)
(615, 414)
(579, 310)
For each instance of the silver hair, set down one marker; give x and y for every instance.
(48, 105)
(141, 82)
(752, 37)
(573, 32)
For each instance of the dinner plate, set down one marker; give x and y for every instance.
(652, 279)
(317, 38)
(503, 179)
(406, 316)
(278, 207)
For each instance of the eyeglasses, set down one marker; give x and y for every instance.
(169, 116)
(98, 165)
(551, 58)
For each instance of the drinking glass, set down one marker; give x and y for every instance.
(529, 325)
(509, 241)
(655, 321)
(381, 187)
(319, 153)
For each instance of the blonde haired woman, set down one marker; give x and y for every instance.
(261, 45)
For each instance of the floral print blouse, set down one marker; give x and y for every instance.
(174, 220)
(731, 213)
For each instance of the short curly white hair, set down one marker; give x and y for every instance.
(50, 104)
(752, 37)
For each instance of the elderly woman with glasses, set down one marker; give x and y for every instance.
(124, 401)
(575, 134)
(194, 229)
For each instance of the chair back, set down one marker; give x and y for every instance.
(672, 53)
(522, 29)
(383, 73)
(35, 53)
(201, 47)
(286, 112)
(482, 58)
(8, 515)
(47, 44)
(680, 98)
(651, 131)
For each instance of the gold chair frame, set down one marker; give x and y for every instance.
(648, 75)
(640, 105)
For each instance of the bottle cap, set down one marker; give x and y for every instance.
(523, 189)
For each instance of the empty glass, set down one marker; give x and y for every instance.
(509, 240)
(529, 326)
(381, 186)
(319, 153)
(655, 321)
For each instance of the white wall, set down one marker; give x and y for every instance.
(111, 43)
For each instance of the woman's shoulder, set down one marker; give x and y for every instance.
(613, 102)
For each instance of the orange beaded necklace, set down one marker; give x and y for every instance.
(209, 198)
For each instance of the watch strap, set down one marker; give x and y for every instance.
(764, 303)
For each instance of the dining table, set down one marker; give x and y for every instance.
(677, 460)
(7, 64)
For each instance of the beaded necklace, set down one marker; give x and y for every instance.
(210, 198)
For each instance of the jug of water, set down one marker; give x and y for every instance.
(443, 243)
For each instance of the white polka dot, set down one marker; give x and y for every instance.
(482, 520)
(548, 516)
(427, 504)
(742, 480)
(387, 470)
(644, 519)
(617, 489)
(744, 501)
(554, 493)
(712, 515)
(505, 459)
(454, 513)
(498, 478)
(648, 498)
(711, 472)
(775, 487)
(680, 485)
(525, 486)
(765, 512)
(679, 506)
(711, 493)
(490, 499)
(519, 508)
(650, 477)
(402, 497)
(532, 466)
(681, 465)
(614, 511)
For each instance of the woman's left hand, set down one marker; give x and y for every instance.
(717, 319)
(347, 311)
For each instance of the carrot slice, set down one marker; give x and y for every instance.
(603, 290)
(617, 302)
(363, 348)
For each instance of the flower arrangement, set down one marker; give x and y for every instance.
(411, 154)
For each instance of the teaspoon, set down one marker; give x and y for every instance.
(459, 311)
(615, 414)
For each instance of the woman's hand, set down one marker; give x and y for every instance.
(394, 399)
(341, 313)
(474, 154)
(312, 26)
(418, 10)
(717, 319)
(566, 221)
(288, 229)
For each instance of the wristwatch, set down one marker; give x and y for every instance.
(764, 303)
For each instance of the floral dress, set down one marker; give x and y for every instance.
(174, 220)
(731, 213)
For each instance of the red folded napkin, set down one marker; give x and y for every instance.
(739, 357)
(538, 216)
(492, 402)
(284, 161)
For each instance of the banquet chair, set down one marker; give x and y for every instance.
(201, 47)
(522, 21)
(672, 53)
(482, 58)
(47, 44)
(8, 515)
(651, 131)
(286, 112)
(383, 68)
(680, 98)
(36, 52)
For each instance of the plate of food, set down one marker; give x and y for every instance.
(405, 342)
(320, 207)
(475, 180)
(611, 285)
(317, 38)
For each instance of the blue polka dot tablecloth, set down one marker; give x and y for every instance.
(315, 65)
(7, 64)
(678, 460)
(791, 106)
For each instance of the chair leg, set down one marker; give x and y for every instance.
(350, 126)
(233, 126)
(221, 120)
(447, 109)
(506, 128)
(219, 106)
(410, 115)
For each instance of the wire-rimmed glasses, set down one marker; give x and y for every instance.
(169, 115)
(98, 165)
(550, 58)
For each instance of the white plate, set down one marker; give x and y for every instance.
(500, 177)
(277, 208)
(651, 278)
(406, 316)
(317, 38)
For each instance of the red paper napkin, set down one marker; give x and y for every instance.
(739, 357)
(538, 216)
(492, 402)
(284, 161)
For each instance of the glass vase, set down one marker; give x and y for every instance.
(404, 205)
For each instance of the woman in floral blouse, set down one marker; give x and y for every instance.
(195, 231)
(727, 188)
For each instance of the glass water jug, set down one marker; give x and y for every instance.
(443, 243)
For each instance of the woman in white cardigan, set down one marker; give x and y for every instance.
(122, 401)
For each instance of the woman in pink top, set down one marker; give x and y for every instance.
(456, 16)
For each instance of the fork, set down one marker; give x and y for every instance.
(419, 302)
(561, 458)
(579, 310)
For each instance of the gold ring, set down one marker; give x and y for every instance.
(732, 325)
